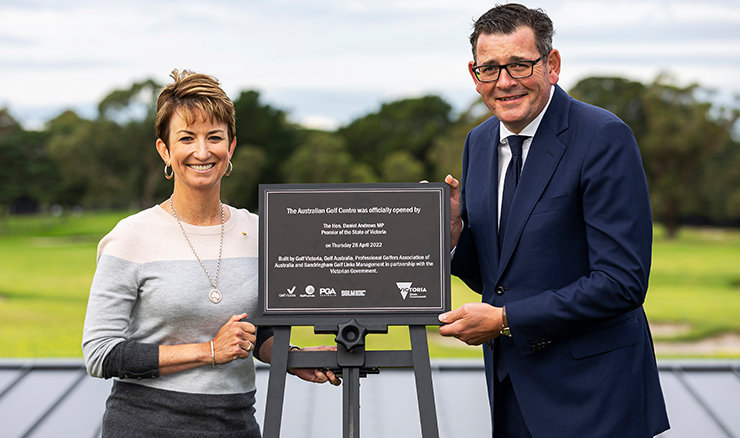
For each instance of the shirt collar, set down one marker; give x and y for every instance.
(531, 129)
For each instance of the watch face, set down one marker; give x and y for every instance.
(506, 331)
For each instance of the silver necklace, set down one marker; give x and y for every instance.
(214, 295)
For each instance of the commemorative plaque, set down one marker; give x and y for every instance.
(354, 249)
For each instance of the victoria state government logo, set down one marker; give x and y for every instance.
(406, 289)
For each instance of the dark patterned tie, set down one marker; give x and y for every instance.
(510, 183)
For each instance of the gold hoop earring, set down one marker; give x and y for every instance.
(168, 176)
(231, 167)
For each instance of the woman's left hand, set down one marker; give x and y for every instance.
(317, 375)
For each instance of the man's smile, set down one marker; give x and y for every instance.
(509, 98)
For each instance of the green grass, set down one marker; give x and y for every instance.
(695, 281)
(46, 267)
(47, 264)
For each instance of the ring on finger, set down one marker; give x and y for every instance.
(251, 346)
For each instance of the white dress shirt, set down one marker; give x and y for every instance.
(504, 151)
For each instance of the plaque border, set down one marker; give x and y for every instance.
(312, 316)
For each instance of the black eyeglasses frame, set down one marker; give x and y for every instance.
(476, 69)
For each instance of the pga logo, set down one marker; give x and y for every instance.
(327, 292)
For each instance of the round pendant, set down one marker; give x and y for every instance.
(215, 296)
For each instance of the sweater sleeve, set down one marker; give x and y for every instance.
(113, 295)
(263, 334)
(132, 360)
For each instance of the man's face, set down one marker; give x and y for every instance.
(516, 102)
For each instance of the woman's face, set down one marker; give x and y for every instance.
(198, 153)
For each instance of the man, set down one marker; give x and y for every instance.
(560, 250)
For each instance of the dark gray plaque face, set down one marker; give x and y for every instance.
(354, 249)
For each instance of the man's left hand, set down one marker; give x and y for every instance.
(456, 224)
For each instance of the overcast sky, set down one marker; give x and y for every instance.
(328, 61)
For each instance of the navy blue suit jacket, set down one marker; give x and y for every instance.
(572, 272)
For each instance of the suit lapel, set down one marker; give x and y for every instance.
(544, 155)
(495, 140)
(489, 251)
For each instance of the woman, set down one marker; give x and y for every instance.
(160, 319)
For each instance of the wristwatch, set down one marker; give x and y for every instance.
(505, 331)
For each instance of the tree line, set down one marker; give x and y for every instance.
(689, 147)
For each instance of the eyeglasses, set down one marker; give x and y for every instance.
(517, 70)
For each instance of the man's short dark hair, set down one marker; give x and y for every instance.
(506, 19)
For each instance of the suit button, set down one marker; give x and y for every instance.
(500, 290)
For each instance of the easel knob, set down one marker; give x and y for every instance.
(351, 335)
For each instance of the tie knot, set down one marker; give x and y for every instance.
(515, 143)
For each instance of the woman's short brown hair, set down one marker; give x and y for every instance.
(192, 94)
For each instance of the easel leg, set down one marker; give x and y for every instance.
(276, 383)
(423, 376)
(351, 402)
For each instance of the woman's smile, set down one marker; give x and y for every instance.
(201, 167)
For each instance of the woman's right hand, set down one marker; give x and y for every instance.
(235, 340)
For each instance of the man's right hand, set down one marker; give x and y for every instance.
(472, 323)
(455, 221)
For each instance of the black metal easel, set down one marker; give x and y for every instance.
(352, 362)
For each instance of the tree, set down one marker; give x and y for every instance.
(620, 96)
(68, 135)
(240, 187)
(322, 157)
(720, 184)
(133, 112)
(408, 125)
(681, 133)
(29, 174)
(445, 155)
(112, 161)
(401, 166)
(12, 158)
(677, 132)
(269, 136)
(8, 125)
